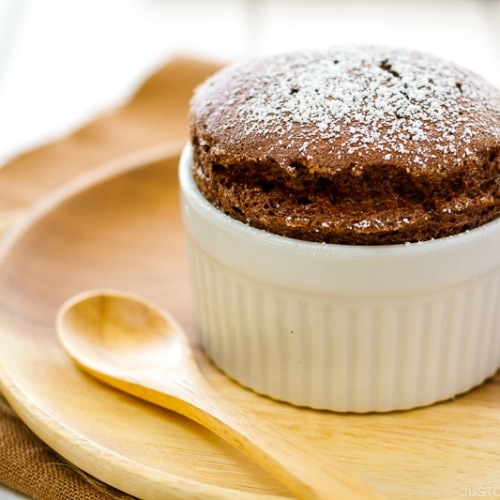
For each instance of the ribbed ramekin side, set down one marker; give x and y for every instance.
(347, 353)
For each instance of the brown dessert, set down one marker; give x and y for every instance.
(351, 145)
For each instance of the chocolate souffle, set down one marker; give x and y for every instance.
(351, 145)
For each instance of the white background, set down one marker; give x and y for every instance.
(62, 62)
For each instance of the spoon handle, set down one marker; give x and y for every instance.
(306, 472)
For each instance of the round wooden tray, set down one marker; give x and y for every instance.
(121, 227)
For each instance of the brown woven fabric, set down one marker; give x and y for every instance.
(156, 115)
(28, 465)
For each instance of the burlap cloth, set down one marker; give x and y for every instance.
(157, 114)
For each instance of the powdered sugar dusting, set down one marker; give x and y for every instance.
(358, 99)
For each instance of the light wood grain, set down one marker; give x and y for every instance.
(134, 345)
(126, 233)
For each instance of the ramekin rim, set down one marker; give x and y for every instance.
(189, 188)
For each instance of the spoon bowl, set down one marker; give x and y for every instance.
(133, 345)
(114, 332)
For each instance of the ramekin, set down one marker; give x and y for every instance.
(339, 327)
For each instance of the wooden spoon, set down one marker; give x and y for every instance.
(133, 345)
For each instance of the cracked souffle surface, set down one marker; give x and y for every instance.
(351, 145)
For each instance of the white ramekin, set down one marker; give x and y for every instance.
(339, 327)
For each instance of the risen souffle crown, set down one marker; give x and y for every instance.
(351, 145)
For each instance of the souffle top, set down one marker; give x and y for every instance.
(350, 145)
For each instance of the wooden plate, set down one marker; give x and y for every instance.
(121, 228)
